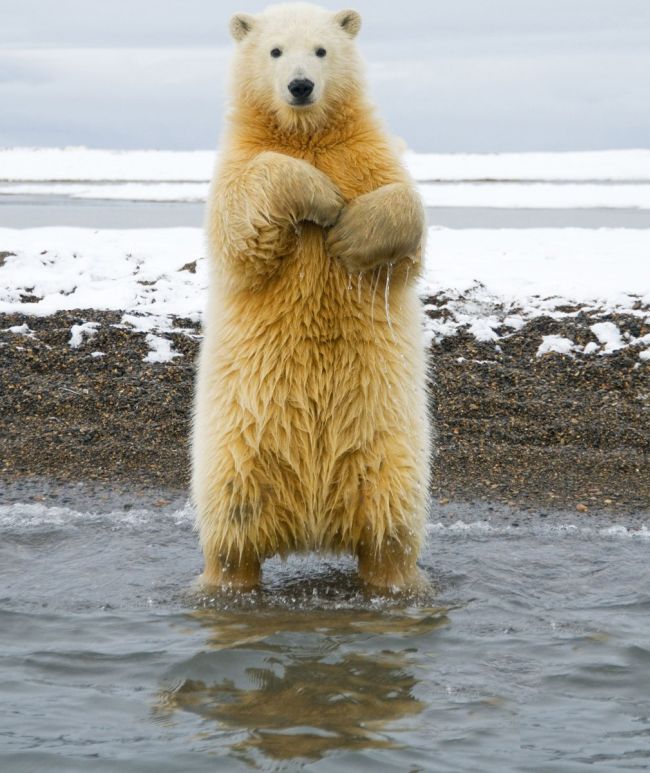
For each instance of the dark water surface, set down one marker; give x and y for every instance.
(34, 211)
(532, 655)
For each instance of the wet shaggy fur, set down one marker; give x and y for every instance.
(310, 428)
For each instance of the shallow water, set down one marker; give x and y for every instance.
(533, 654)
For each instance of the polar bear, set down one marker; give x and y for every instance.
(310, 428)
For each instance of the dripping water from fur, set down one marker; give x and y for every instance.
(374, 282)
(389, 269)
(406, 277)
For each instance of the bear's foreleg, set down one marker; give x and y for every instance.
(380, 227)
(255, 208)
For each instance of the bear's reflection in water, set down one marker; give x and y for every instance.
(302, 681)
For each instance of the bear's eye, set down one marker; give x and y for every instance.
(320, 52)
(276, 53)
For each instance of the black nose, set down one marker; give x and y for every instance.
(301, 88)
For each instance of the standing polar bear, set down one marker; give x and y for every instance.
(310, 427)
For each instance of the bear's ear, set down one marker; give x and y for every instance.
(240, 25)
(350, 21)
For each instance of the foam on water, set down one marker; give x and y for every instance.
(641, 532)
(34, 516)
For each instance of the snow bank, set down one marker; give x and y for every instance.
(620, 165)
(505, 195)
(139, 270)
(547, 267)
(84, 164)
(501, 278)
(492, 279)
(151, 270)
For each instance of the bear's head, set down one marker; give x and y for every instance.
(297, 62)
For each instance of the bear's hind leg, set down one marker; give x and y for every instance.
(390, 515)
(231, 569)
(390, 565)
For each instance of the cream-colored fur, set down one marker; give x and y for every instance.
(310, 427)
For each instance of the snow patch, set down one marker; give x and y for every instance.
(555, 343)
(160, 349)
(78, 332)
(609, 336)
(145, 323)
(514, 322)
(483, 329)
(23, 330)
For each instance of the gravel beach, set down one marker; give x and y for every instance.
(513, 428)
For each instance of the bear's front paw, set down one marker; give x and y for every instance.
(377, 228)
(356, 241)
(326, 202)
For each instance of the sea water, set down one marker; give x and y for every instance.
(531, 651)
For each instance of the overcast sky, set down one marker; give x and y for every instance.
(448, 75)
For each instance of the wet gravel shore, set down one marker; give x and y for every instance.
(552, 432)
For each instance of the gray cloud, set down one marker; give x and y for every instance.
(447, 76)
